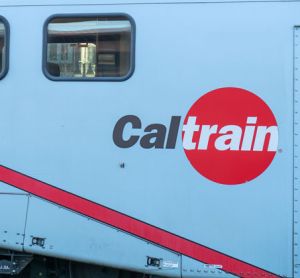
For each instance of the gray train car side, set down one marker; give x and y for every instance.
(156, 137)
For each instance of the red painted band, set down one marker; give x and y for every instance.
(131, 225)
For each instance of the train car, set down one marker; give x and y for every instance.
(159, 138)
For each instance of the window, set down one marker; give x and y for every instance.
(4, 29)
(97, 47)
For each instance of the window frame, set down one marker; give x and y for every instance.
(6, 53)
(89, 79)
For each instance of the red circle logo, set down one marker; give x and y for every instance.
(230, 136)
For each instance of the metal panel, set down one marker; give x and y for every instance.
(195, 269)
(61, 133)
(13, 209)
(69, 235)
(296, 152)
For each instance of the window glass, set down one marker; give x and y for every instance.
(3, 48)
(97, 47)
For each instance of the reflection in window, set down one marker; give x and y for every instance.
(2, 47)
(89, 47)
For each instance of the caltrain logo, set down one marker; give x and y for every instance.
(229, 135)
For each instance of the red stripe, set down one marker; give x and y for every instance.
(131, 225)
